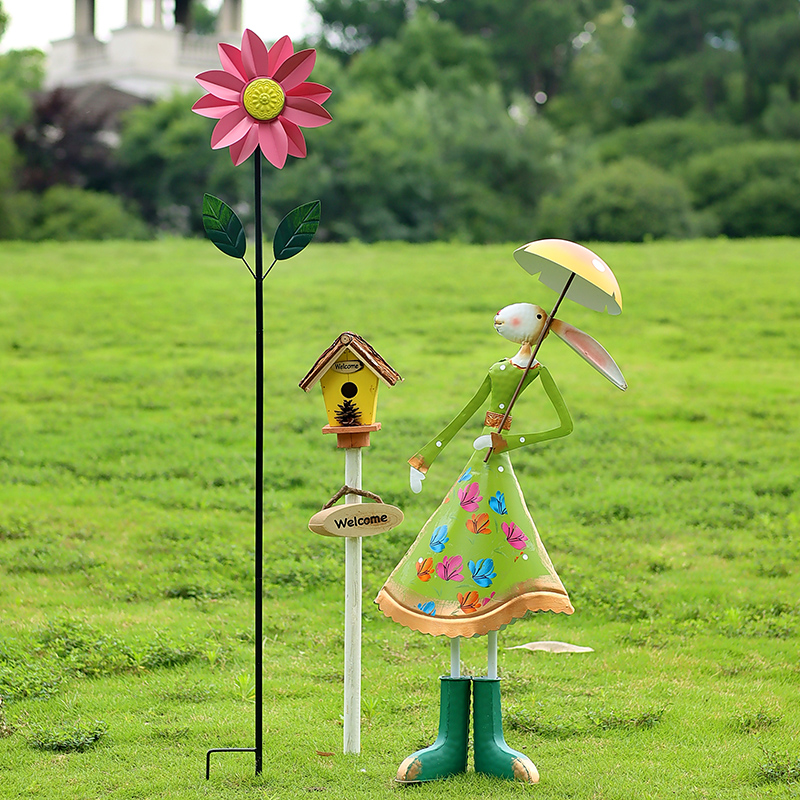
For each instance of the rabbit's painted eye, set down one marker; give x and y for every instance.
(538, 316)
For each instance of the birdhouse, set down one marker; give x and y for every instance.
(349, 373)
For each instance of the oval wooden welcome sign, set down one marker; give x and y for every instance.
(356, 519)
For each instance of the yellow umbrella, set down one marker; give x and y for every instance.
(556, 260)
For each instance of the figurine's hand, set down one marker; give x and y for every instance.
(483, 442)
(416, 480)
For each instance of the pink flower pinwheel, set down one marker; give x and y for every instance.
(261, 97)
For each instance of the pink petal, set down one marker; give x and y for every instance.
(230, 129)
(231, 59)
(274, 142)
(313, 91)
(213, 107)
(305, 112)
(279, 52)
(295, 69)
(221, 84)
(297, 144)
(243, 149)
(254, 55)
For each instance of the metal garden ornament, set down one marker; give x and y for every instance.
(478, 564)
(261, 99)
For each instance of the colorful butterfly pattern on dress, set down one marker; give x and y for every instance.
(425, 569)
(483, 571)
(498, 504)
(439, 539)
(469, 602)
(470, 497)
(514, 536)
(449, 568)
(479, 523)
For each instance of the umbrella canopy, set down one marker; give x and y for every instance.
(594, 285)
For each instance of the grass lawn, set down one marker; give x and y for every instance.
(126, 553)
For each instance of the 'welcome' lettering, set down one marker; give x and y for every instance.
(357, 522)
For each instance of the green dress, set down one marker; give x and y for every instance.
(478, 563)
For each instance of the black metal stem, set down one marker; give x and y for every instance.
(259, 488)
(270, 269)
(259, 491)
(545, 329)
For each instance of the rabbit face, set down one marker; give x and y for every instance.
(520, 322)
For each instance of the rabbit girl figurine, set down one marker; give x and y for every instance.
(478, 563)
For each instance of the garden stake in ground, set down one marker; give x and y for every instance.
(260, 98)
(349, 372)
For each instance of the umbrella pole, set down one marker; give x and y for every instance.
(545, 329)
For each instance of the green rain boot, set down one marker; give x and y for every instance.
(492, 755)
(448, 754)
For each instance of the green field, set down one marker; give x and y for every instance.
(126, 492)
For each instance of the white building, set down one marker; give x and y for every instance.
(147, 61)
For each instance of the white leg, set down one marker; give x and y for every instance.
(455, 657)
(492, 654)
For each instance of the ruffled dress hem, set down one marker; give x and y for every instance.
(513, 609)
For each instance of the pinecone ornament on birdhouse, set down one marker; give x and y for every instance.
(347, 414)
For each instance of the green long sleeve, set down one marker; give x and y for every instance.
(565, 426)
(423, 459)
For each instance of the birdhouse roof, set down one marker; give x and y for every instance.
(360, 348)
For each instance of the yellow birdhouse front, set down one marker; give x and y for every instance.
(350, 392)
(349, 373)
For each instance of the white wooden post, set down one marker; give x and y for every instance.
(352, 613)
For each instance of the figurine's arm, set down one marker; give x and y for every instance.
(423, 459)
(564, 428)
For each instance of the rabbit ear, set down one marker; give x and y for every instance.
(591, 350)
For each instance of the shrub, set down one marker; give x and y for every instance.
(752, 188)
(66, 213)
(626, 201)
(427, 165)
(669, 143)
(781, 119)
(14, 205)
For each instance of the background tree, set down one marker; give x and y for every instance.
(349, 26)
(164, 156)
(530, 41)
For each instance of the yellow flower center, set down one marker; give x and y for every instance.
(263, 99)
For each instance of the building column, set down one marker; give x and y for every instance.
(134, 12)
(230, 17)
(183, 14)
(84, 18)
(158, 14)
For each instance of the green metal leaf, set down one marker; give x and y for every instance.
(223, 227)
(296, 230)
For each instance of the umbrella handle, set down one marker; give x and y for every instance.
(518, 390)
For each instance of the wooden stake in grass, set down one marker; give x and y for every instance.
(350, 371)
